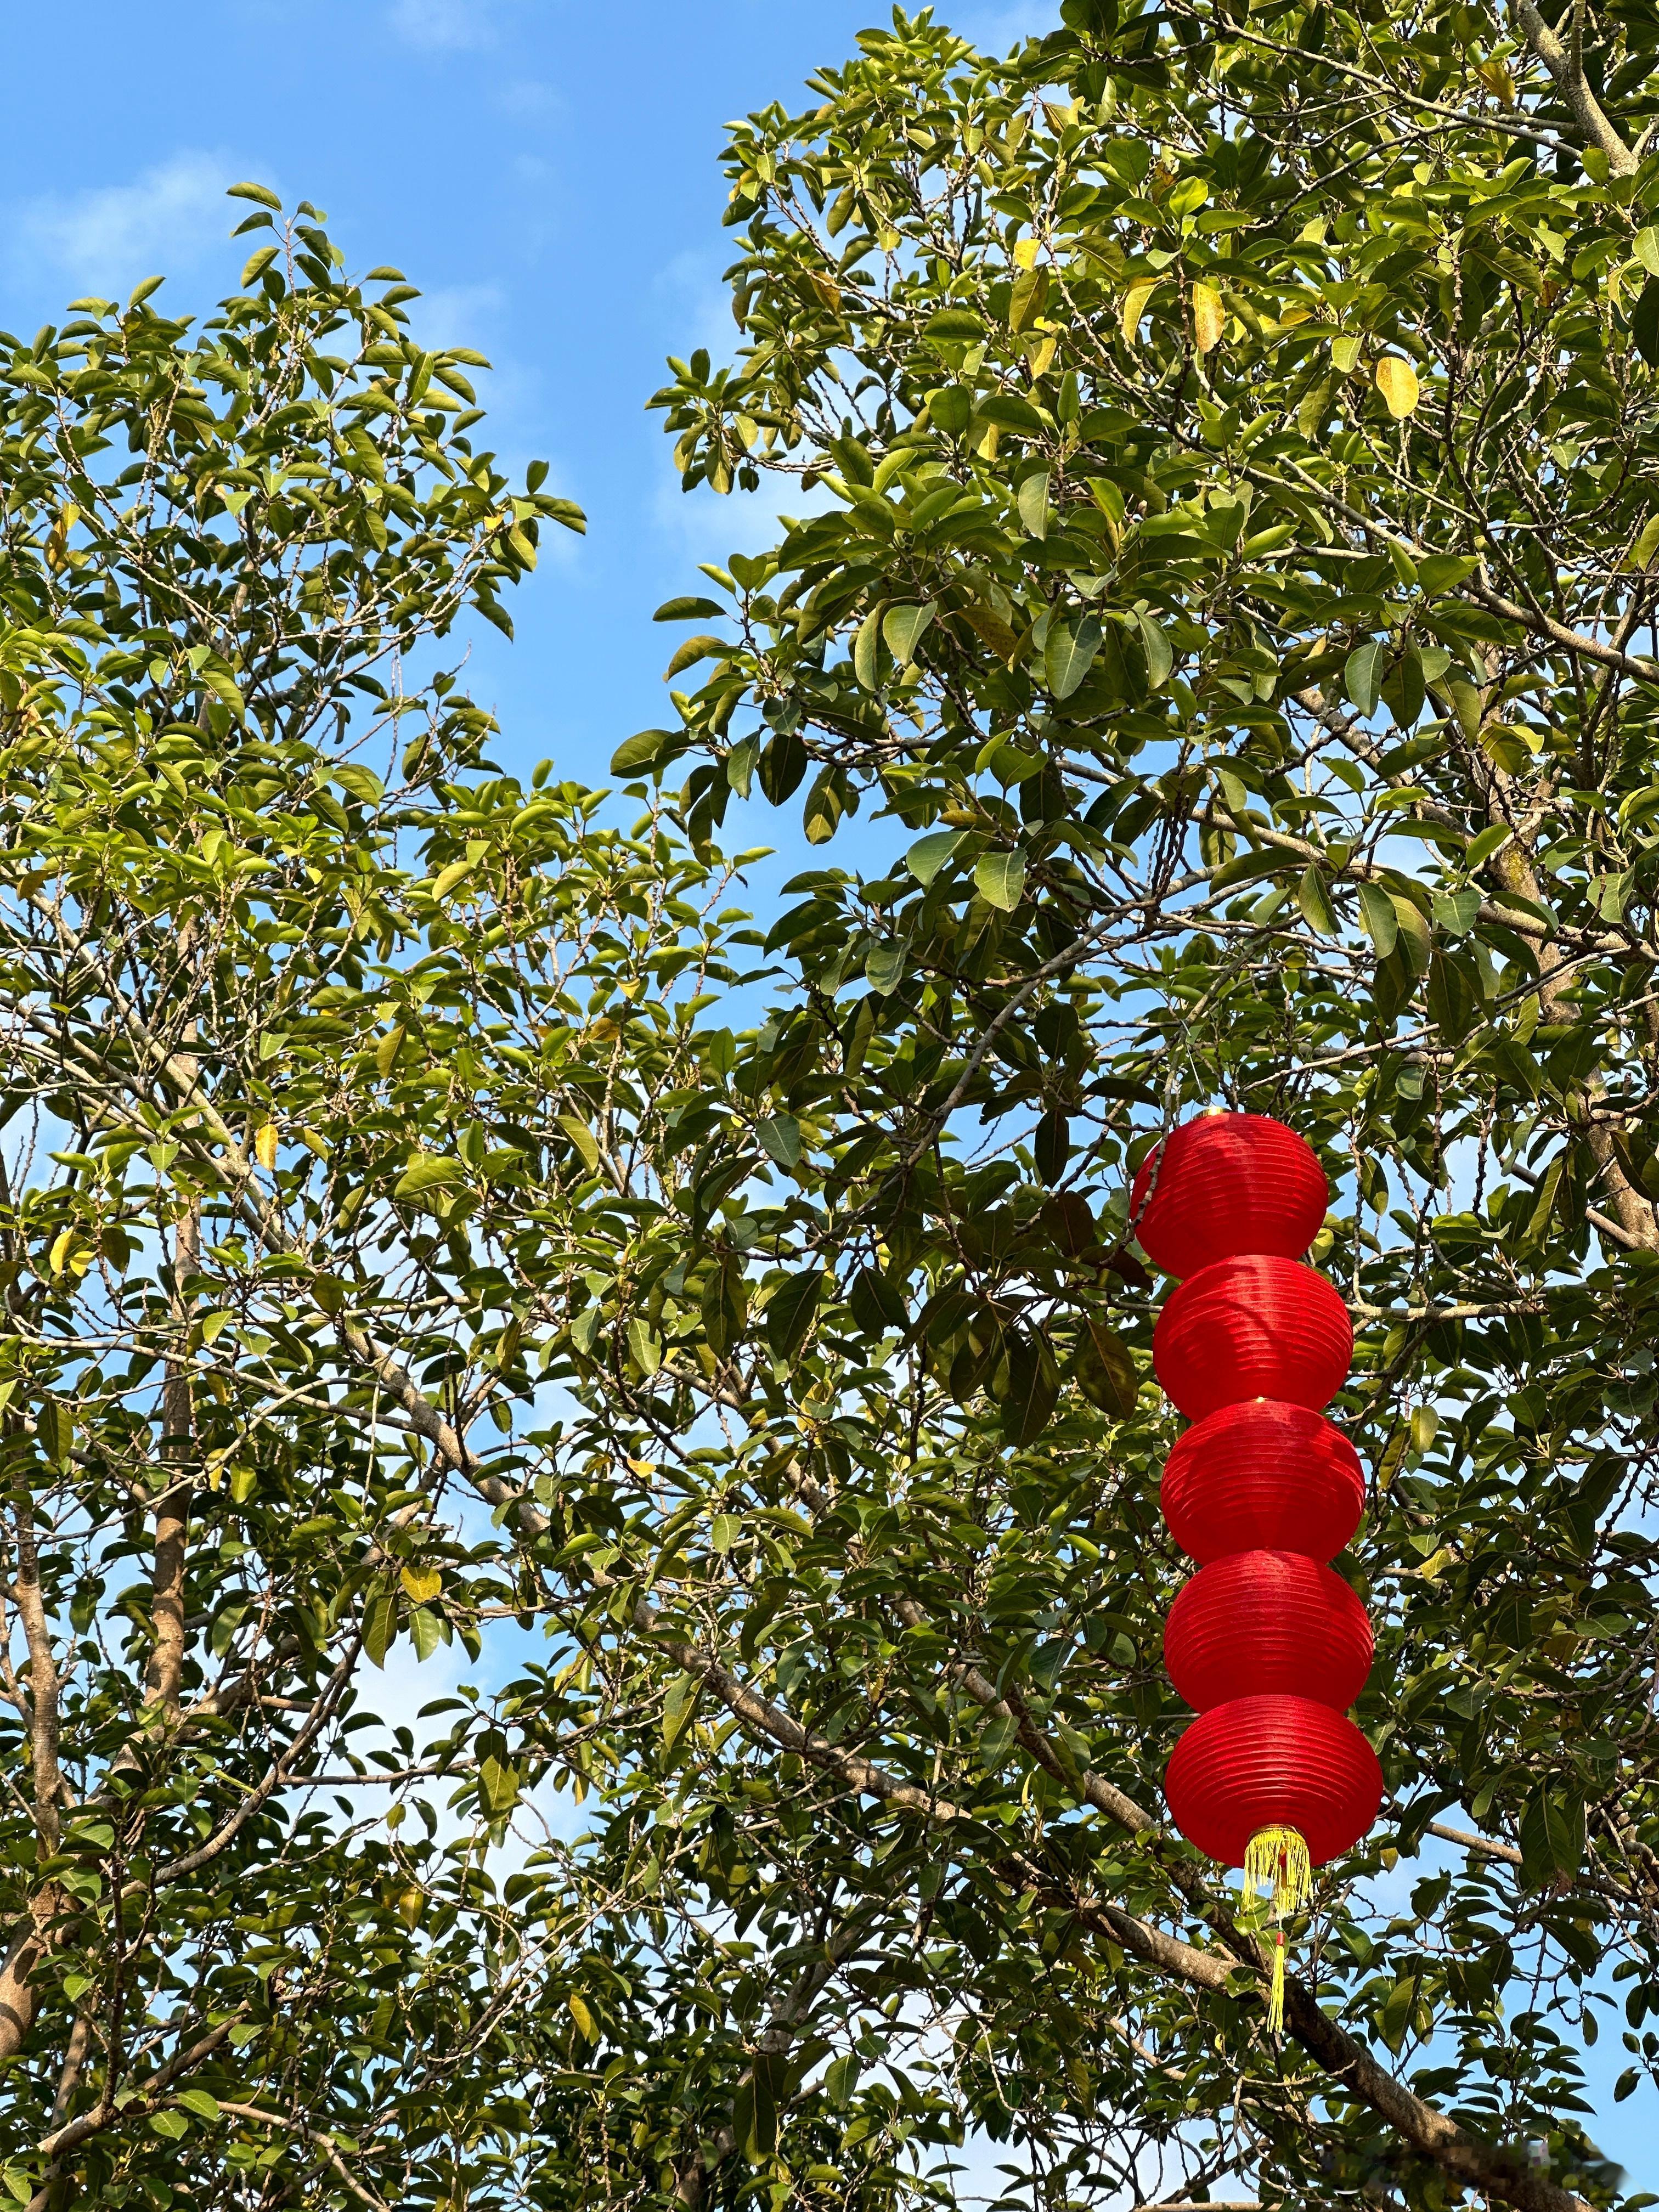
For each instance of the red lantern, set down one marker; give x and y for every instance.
(1227, 1183)
(1274, 1762)
(1263, 1476)
(1256, 1326)
(1267, 1622)
(1265, 1639)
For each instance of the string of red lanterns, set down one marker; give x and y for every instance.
(1266, 1642)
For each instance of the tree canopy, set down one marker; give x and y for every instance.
(1209, 660)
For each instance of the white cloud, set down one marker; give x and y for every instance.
(699, 303)
(456, 315)
(112, 235)
(530, 100)
(444, 26)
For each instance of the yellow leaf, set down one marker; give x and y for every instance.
(264, 1145)
(1041, 353)
(583, 2018)
(1025, 254)
(423, 1584)
(1396, 380)
(60, 1250)
(1209, 318)
(385, 1053)
(1134, 306)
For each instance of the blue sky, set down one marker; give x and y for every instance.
(547, 173)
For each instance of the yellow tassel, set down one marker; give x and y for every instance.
(1276, 1860)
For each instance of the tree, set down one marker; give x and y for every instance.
(297, 1100)
(1226, 598)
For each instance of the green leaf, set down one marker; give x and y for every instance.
(587, 1143)
(1051, 1144)
(647, 749)
(427, 1172)
(1455, 912)
(425, 1632)
(644, 1345)
(928, 854)
(379, 1625)
(679, 1707)
(724, 1531)
(950, 408)
(782, 765)
(694, 650)
(1026, 298)
(1377, 911)
(1647, 543)
(841, 2080)
(451, 878)
(1160, 654)
(1314, 902)
(1106, 1370)
(866, 651)
(169, 2124)
(498, 1786)
(791, 1311)
(199, 2102)
(1033, 1390)
(1069, 653)
(692, 610)
(1362, 677)
(780, 1137)
(1646, 245)
(1009, 412)
(1032, 500)
(902, 629)
(262, 193)
(1001, 878)
(1481, 848)
(883, 967)
(1644, 323)
(876, 1304)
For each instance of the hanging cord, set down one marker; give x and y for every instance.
(1276, 1859)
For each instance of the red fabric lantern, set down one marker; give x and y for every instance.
(1256, 1326)
(1262, 1623)
(1227, 1183)
(1263, 1476)
(1274, 1762)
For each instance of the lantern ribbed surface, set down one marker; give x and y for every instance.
(1263, 1476)
(1227, 1183)
(1265, 1640)
(1274, 1762)
(1268, 1623)
(1255, 1325)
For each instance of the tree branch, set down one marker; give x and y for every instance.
(1568, 70)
